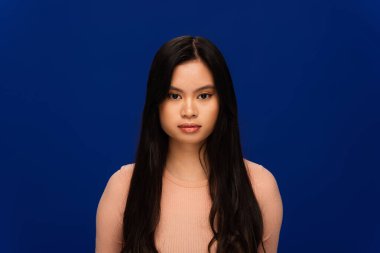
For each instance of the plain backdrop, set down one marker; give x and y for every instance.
(72, 88)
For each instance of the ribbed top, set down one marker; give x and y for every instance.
(184, 183)
(185, 207)
(184, 216)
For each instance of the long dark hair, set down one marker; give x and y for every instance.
(235, 217)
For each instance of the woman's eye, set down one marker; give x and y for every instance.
(173, 95)
(205, 94)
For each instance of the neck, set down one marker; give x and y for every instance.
(184, 161)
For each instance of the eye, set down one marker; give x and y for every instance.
(176, 96)
(205, 94)
(173, 96)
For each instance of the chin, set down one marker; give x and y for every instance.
(191, 140)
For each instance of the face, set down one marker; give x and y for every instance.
(192, 99)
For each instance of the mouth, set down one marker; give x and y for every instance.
(189, 125)
(189, 128)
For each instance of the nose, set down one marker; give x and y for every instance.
(189, 109)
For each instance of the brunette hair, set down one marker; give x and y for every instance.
(235, 217)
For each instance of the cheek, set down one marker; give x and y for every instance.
(166, 115)
(212, 114)
(215, 110)
(161, 113)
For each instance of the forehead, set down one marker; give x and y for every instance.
(192, 75)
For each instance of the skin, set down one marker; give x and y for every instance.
(189, 106)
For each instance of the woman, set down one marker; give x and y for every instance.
(190, 189)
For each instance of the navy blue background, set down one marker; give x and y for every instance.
(72, 87)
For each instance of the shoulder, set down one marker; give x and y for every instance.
(110, 211)
(269, 198)
(121, 177)
(116, 190)
(126, 171)
(262, 179)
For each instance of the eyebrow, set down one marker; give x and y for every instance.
(201, 88)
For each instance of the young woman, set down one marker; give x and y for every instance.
(190, 189)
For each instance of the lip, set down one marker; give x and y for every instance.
(189, 125)
(189, 128)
